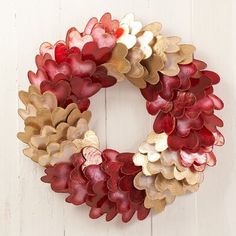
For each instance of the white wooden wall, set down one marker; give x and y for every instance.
(27, 206)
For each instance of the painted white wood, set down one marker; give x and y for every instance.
(27, 206)
(35, 22)
(10, 167)
(183, 211)
(213, 30)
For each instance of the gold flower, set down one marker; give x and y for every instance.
(53, 133)
(162, 176)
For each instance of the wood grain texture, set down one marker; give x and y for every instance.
(28, 207)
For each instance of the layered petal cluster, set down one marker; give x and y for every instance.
(53, 133)
(167, 180)
(150, 151)
(184, 106)
(163, 177)
(72, 69)
(101, 180)
(179, 93)
(149, 52)
(107, 51)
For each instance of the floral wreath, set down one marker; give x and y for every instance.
(178, 91)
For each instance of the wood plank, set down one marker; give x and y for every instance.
(9, 168)
(41, 210)
(213, 23)
(176, 20)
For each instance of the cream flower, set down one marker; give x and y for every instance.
(130, 28)
(165, 45)
(166, 180)
(150, 151)
(90, 139)
(144, 43)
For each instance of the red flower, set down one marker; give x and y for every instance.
(184, 106)
(107, 188)
(72, 69)
(58, 176)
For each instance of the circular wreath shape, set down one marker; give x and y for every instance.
(178, 91)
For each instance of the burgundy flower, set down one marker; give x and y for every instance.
(184, 107)
(58, 176)
(107, 187)
(71, 69)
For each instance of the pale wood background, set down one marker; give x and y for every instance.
(27, 206)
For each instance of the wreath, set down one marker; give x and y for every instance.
(178, 91)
